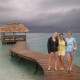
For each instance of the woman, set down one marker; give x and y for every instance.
(53, 49)
(71, 46)
(62, 50)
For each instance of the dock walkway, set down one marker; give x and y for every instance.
(21, 50)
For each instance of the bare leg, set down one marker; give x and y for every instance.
(72, 61)
(62, 62)
(50, 60)
(55, 60)
(69, 61)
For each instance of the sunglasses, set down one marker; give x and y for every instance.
(61, 36)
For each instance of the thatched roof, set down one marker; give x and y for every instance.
(13, 27)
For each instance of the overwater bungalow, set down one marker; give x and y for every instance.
(13, 32)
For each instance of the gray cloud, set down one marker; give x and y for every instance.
(41, 14)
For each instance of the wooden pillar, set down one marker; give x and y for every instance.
(25, 36)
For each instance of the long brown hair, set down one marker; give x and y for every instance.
(63, 38)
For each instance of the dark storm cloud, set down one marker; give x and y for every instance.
(58, 3)
(42, 15)
(58, 18)
(59, 22)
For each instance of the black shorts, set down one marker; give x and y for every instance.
(53, 50)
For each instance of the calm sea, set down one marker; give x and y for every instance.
(10, 69)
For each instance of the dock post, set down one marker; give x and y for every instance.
(12, 55)
(19, 60)
(36, 68)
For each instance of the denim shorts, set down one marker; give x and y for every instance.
(70, 52)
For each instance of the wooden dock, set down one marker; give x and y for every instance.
(21, 50)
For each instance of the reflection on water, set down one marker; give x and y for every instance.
(10, 69)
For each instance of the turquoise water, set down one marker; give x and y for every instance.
(10, 69)
(38, 42)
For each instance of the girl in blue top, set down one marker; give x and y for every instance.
(71, 46)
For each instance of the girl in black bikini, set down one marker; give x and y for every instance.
(53, 49)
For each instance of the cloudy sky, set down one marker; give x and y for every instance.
(42, 15)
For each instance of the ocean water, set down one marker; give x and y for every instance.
(10, 69)
(38, 42)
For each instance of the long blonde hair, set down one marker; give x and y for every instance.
(57, 36)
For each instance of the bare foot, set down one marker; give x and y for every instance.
(56, 69)
(68, 69)
(62, 69)
(49, 68)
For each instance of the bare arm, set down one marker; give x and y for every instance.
(75, 46)
(48, 45)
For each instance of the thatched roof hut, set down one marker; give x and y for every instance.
(13, 27)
